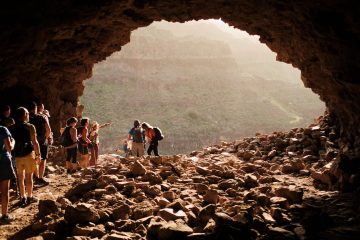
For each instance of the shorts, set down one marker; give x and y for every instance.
(44, 151)
(6, 168)
(71, 154)
(27, 163)
(83, 149)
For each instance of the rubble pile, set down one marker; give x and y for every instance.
(256, 188)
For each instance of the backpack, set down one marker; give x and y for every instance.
(158, 134)
(65, 138)
(138, 135)
(23, 143)
(39, 122)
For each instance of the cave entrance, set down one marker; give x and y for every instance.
(201, 82)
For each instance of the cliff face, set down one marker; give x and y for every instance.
(47, 49)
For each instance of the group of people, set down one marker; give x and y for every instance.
(139, 135)
(83, 140)
(24, 146)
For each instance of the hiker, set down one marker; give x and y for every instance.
(6, 171)
(151, 136)
(5, 119)
(27, 153)
(136, 135)
(83, 142)
(44, 137)
(42, 111)
(126, 148)
(94, 138)
(69, 142)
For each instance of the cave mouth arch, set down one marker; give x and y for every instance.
(211, 82)
(52, 47)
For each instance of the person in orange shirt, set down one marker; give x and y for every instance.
(151, 136)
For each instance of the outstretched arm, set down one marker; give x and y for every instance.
(104, 125)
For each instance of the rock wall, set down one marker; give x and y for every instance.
(47, 49)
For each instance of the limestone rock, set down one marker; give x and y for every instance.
(47, 207)
(211, 196)
(170, 214)
(251, 181)
(292, 194)
(137, 169)
(81, 213)
(81, 189)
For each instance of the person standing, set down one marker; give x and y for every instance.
(151, 136)
(83, 142)
(43, 134)
(5, 119)
(6, 171)
(27, 153)
(94, 138)
(69, 142)
(136, 134)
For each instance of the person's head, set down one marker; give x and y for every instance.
(94, 126)
(5, 110)
(145, 125)
(136, 123)
(40, 107)
(22, 115)
(32, 107)
(84, 122)
(71, 122)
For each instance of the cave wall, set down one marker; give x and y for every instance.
(50, 47)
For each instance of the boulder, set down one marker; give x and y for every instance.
(81, 189)
(81, 213)
(201, 188)
(211, 196)
(291, 193)
(250, 181)
(137, 169)
(46, 207)
(170, 214)
(121, 212)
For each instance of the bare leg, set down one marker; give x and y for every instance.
(29, 184)
(42, 168)
(4, 186)
(21, 183)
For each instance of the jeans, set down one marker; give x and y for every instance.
(153, 147)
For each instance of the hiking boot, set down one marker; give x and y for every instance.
(31, 200)
(43, 182)
(5, 219)
(36, 180)
(23, 201)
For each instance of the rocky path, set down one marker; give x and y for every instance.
(23, 217)
(265, 187)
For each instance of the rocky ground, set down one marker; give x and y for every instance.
(265, 187)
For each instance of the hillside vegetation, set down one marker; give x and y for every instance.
(199, 84)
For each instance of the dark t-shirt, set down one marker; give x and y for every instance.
(137, 135)
(39, 121)
(4, 133)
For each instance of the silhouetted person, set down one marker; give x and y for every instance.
(136, 135)
(151, 136)
(43, 134)
(5, 119)
(6, 171)
(27, 153)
